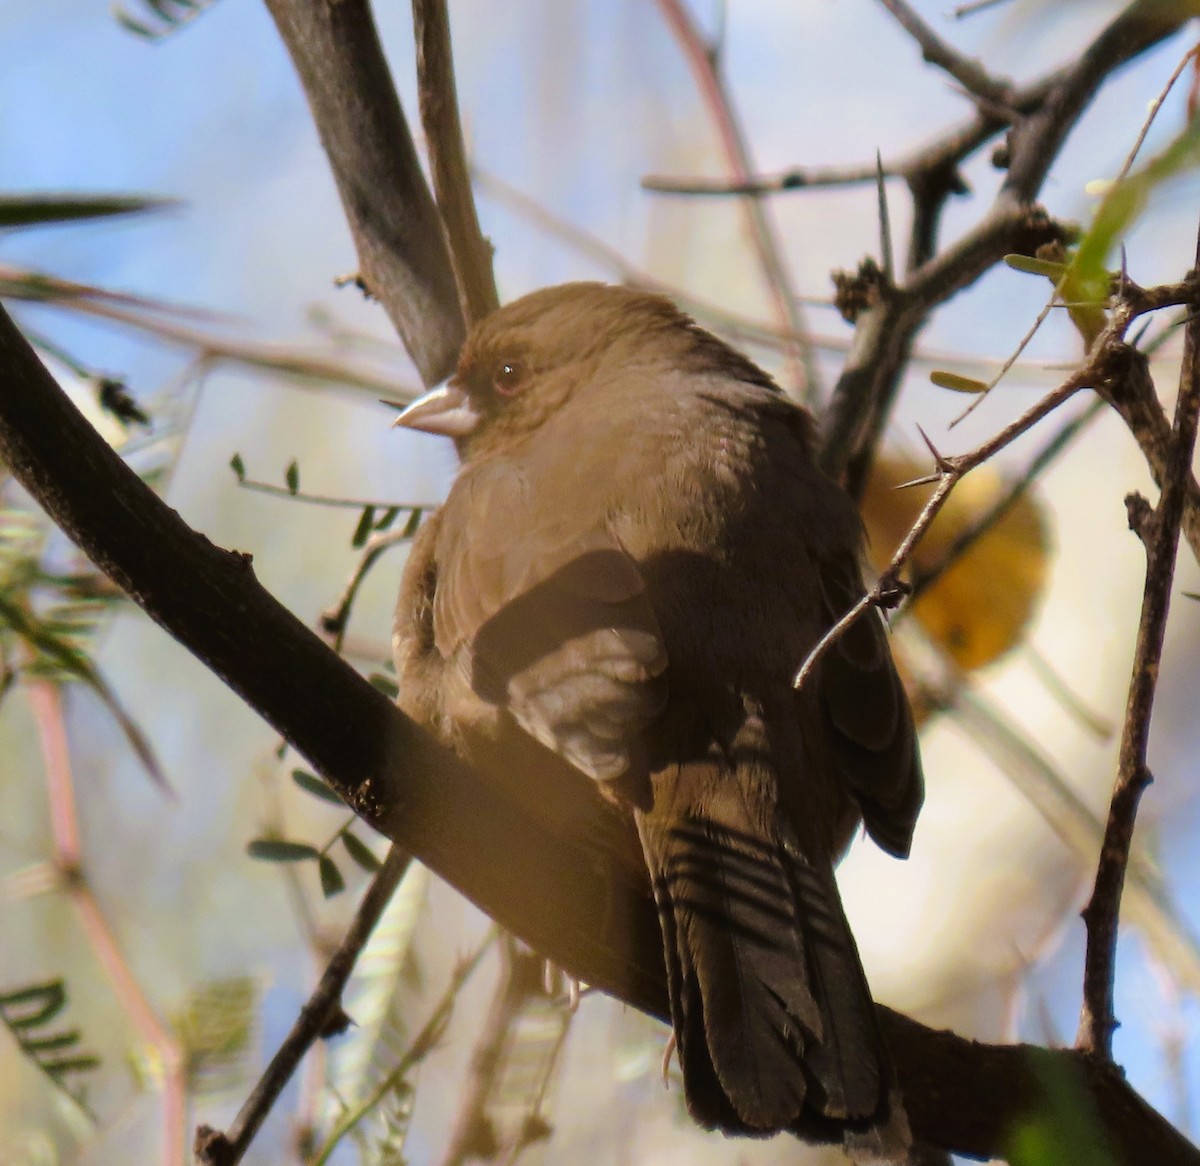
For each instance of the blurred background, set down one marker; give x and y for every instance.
(185, 958)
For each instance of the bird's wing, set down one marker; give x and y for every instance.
(549, 620)
(871, 732)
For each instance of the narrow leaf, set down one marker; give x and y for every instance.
(389, 516)
(414, 520)
(332, 882)
(50, 1044)
(385, 684)
(292, 476)
(238, 467)
(278, 850)
(37, 210)
(363, 530)
(33, 1006)
(957, 383)
(360, 852)
(58, 1069)
(1034, 266)
(312, 784)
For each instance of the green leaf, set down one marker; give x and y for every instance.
(51, 1044)
(238, 467)
(1123, 203)
(385, 684)
(292, 476)
(360, 852)
(312, 784)
(1064, 1128)
(389, 516)
(278, 850)
(34, 1005)
(134, 26)
(957, 383)
(414, 520)
(215, 1029)
(332, 882)
(39, 210)
(59, 1069)
(1033, 266)
(363, 530)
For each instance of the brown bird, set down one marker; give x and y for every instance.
(636, 555)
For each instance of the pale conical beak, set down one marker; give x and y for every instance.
(445, 410)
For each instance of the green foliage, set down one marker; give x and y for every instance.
(47, 619)
(312, 784)
(1064, 1130)
(957, 383)
(165, 17)
(40, 210)
(215, 1029)
(281, 850)
(365, 525)
(27, 1013)
(332, 882)
(360, 852)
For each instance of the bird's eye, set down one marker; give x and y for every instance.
(508, 377)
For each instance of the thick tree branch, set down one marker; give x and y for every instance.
(574, 888)
(438, 96)
(402, 254)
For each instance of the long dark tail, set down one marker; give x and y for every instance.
(774, 1021)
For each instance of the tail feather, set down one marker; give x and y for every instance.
(773, 1017)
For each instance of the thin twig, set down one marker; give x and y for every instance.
(794, 178)
(950, 471)
(520, 980)
(970, 74)
(470, 252)
(925, 579)
(703, 64)
(321, 1016)
(335, 619)
(886, 253)
(159, 321)
(1159, 530)
(419, 1048)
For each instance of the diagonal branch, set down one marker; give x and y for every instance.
(320, 1017)
(403, 259)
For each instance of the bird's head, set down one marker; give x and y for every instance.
(526, 360)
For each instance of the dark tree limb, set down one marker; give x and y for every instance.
(321, 1016)
(403, 259)
(970, 74)
(567, 879)
(1159, 530)
(438, 97)
(863, 397)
